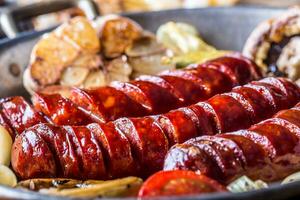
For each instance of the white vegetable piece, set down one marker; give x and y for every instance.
(7, 176)
(5, 146)
(244, 184)
(291, 178)
(74, 76)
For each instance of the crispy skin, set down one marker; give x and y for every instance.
(178, 126)
(88, 151)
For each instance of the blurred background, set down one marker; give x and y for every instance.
(18, 16)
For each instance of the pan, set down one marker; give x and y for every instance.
(225, 28)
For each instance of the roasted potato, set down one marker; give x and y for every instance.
(67, 53)
(49, 57)
(80, 31)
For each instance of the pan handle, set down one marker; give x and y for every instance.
(11, 18)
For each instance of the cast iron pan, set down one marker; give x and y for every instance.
(224, 28)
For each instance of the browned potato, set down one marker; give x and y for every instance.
(80, 31)
(116, 34)
(49, 57)
(74, 44)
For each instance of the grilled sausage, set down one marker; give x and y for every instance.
(18, 115)
(143, 96)
(137, 146)
(268, 151)
(170, 90)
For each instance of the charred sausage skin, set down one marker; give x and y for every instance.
(137, 146)
(268, 151)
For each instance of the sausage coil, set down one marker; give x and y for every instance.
(155, 94)
(137, 146)
(268, 151)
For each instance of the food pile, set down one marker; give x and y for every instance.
(215, 121)
(89, 54)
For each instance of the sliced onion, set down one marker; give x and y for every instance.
(291, 178)
(5, 147)
(7, 176)
(244, 184)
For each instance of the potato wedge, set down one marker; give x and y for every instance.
(117, 34)
(80, 31)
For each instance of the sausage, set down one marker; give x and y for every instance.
(259, 103)
(268, 151)
(177, 126)
(107, 103)
(19, 114)
(116, 149)
(227, 121)
(190, 91)
(204, 124)
(147, 94)
(88, 151)
(138, 146)
(24, 151)
(62, 111)
(233, 65)
(170, 90)
(148, 142)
